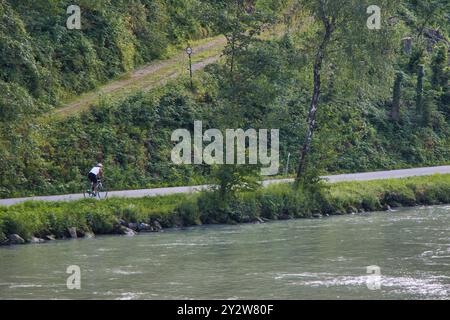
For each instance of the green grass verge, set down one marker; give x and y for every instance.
(274, 202)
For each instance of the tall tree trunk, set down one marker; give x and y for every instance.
(314, 101)
(419, 89)
(395, 110)
(232, 55)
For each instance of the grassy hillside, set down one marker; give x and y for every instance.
(132, 137)
(262, 83)
(48, 63)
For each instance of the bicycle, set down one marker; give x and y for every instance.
(102, 192)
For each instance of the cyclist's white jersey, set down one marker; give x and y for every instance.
(95, 170)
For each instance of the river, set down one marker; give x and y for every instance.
(298, 259)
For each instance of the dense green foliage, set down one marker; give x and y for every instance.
(132, 137)
(40, 56)
(275, 202)
(263, 84)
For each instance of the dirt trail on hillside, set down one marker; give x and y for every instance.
(159, 71)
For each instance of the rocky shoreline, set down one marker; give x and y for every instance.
(130, 229)
(121, 228)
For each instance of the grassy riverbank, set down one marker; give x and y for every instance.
(114, 216)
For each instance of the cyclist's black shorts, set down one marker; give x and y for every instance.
(92, 177)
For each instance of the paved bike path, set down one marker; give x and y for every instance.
(366, 176)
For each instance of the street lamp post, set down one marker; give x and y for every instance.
(189, 52)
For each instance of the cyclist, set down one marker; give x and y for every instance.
(93, 176)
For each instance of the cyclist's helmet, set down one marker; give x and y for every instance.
(99, 165)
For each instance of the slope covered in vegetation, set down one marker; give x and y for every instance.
(47, 62)
(386, 109)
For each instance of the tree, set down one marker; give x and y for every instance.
(438, 64)
(239, 21)
(419, 89)
(395, 110)
(427, 109)
(428, 12)
(342, 28)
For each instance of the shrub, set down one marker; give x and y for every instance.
(101, 222)
(23, 223)
(295, 204)
(398, 195)
(213, 208)
(244, 207)
(271, 203)
(189, 212)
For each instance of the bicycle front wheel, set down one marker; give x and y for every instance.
(102, 193)
(87, 194)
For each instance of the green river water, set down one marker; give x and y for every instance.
(297, 259)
